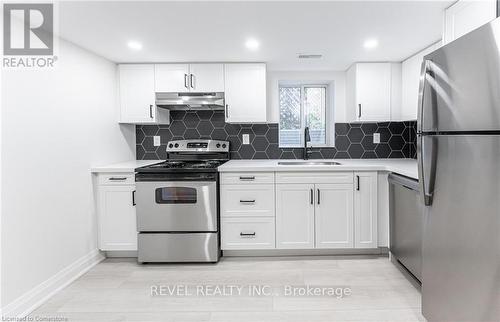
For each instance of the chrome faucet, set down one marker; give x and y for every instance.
(307, 138)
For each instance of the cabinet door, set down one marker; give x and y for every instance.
(245, 92)
(365, 210)
(171, 78)
(373, 91)
(137, 96)
(206, 77)
(465, 16)
(334, 216)
(410, 83)
(295, 216)
(117, 220)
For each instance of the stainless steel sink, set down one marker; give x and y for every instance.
(308, 163)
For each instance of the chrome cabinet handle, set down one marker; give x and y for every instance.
(359, 110)
(248, 178)
(357, 183)
(117, 179)
(186, 85)
(311, 197)
(191, 80)
(151, 111)
(242, 234)
(319, 196)
(247, 201)
(133, 198)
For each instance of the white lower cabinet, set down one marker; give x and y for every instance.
(365, 210)
(247, 208)
(247, 233)
(334, 216)
(247, 200)
(303, 210)
(295, 216)
(314, 216)
(116, 213)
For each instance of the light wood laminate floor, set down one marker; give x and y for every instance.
(120, 290)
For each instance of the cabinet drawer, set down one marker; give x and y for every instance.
(247, 177)
(314, 177)
(248, 233)
(247, 200)
(116, 178)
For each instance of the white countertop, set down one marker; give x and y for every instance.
(127, 166)
(406, 167)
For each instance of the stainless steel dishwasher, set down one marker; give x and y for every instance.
(406, 223)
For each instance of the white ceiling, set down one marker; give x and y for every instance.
(216, 31)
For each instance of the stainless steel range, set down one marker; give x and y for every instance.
(178, 203)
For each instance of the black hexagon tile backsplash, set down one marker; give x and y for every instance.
(352, 140)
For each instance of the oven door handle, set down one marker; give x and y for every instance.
(154, 177)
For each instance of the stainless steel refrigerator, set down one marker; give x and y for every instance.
(459, 171)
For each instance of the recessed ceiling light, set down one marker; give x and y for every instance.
(370, 43)
(134, 45)
(252, 44)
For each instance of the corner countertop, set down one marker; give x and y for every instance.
(405, 167)
(127, 166)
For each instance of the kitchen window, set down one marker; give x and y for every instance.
(303, 106)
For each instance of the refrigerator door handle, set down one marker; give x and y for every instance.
(421, 92)
(427, 156)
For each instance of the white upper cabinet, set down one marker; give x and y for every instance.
(371, 90)
(245, 93)
(137, 97)
(206, 77)
(465, 16)
(411, 82)
(179, 78)
(171, 78)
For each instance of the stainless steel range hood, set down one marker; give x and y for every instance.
(190, 101)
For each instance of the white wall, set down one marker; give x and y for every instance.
(56, 125)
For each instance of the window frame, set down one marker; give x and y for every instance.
(328, 126)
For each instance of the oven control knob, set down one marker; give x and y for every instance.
(170, 145)
(176, 145)
(217, 145)
(224, 145)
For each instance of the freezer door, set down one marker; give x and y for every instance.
(461, 244)
(459, 87)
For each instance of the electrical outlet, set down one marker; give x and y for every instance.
(246, 138)
(376, 138)
(156, 140)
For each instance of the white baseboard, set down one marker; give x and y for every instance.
(31, 300)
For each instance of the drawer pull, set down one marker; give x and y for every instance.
(247, 234)
(117, 178)
(247, 178)
(247, 201)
